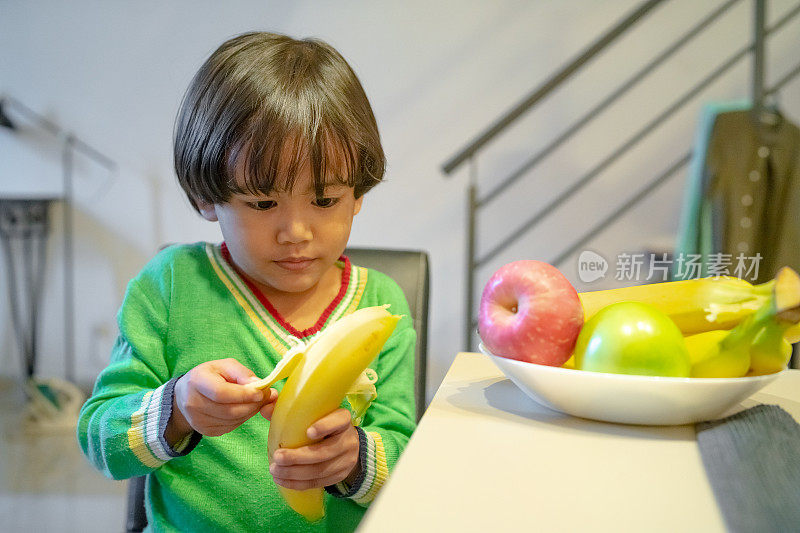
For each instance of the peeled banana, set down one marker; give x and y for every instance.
(331, 365)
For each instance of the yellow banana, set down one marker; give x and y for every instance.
(697, 305)
(757, 344)
(771, 347)
(763, 331)
(710, 360)
(752, 348)
(770, 351)
(317, 386)
(792, 334)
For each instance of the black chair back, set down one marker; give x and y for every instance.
(411, 270)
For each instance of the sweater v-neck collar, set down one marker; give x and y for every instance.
(267, 323)
(318, 325)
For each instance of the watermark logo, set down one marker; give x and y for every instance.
(591, 266)
(640, 267)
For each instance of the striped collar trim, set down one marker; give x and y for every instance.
(343, 263)
(264, 316)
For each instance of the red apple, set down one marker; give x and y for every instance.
(530, 312)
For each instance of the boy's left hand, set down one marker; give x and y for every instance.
(326, 462)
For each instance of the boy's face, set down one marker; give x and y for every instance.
(286, 242)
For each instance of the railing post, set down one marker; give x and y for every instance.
(472, 213)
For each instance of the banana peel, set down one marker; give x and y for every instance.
(361, 395)
(291, 359)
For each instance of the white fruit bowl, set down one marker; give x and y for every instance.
(621, 398)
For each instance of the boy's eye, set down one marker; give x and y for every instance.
(263, 205)
(326, 202)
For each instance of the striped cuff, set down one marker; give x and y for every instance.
(374, 470)
(184, 443)
(148, 424)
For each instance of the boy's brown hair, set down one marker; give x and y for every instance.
(261, 96)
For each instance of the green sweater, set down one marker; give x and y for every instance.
(189, 306)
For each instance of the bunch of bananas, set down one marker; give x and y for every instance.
(731, 327)
(319, 376)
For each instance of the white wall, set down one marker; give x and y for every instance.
(436, 72)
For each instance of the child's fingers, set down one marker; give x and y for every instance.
(220, 391)
(335, 422)
(267, 411)
(337, 445)
(214, 385)
(269, 407)
(234, 371)
(303, 472)
(306, 455)
(212, 426)
(318, 482)
(323, 463)
(230, 411)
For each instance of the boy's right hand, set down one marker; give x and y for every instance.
(212, 400)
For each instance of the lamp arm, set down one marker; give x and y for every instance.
(52, 128)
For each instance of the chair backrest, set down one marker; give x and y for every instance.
(410, 269)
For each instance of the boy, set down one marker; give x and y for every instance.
(275, 141)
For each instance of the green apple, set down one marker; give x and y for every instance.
(632, 338)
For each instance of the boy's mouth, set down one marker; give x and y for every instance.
(294, 263)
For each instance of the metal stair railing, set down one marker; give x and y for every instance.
(675, 167)
(629, 84)
(556, 80)
(628, 144)
(472, 150)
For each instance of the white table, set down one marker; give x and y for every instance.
(487, 458)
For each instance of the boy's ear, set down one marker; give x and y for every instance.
(207, 211)
(357, 205)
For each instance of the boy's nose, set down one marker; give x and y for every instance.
(294, 230)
